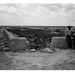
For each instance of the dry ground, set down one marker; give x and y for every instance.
(61, 60)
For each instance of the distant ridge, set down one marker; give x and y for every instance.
(34, 27)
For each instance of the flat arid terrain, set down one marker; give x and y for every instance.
(61, 60)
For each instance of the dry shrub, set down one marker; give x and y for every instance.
(59, 42)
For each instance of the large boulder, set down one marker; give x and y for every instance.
(59, 42)
(16, 43)
(32, 50)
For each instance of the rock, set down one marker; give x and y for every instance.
(32, 50)
(47, 50)
(54, 49)
(6, 49)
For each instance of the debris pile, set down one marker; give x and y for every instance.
(14, 43)
(47, 50)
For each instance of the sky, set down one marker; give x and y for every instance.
(37, 14)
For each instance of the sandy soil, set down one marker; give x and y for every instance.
(61, 60)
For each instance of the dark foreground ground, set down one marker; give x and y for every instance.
(61, 60)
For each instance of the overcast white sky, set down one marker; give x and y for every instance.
(37, 14)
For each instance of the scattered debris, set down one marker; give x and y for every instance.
(6, 49)
(14, 43)
(54, 49)
(47, 50)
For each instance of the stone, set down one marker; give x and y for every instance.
(47, 50)
(6, 49)
(32, 50)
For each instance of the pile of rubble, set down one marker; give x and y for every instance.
(10, 42)
(46, 50)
